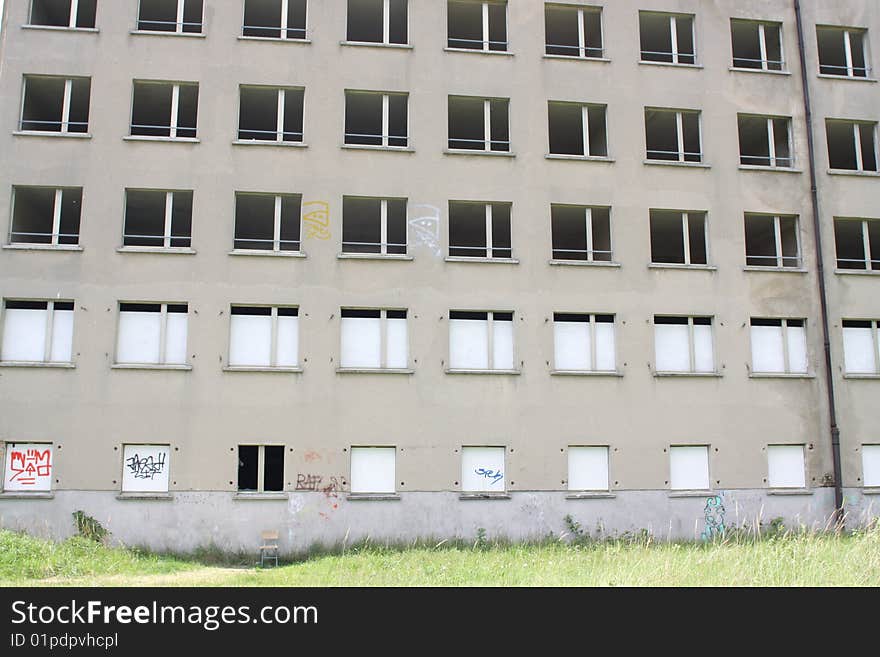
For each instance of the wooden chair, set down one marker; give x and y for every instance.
(268, 547)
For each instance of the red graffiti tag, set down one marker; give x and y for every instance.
(29, 464)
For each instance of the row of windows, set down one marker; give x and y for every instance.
(474, 25)
(268, 337)
(146, 469)
(272, 223)
(168, 110)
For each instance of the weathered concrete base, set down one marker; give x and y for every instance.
(191, 520)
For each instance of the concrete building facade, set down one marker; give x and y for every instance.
(380, 316)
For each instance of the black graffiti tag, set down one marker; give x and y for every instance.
(147, 467)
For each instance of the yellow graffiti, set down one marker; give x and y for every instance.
(317, 222)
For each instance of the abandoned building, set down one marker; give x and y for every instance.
(405, 269)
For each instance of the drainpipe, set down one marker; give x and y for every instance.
(820, 272)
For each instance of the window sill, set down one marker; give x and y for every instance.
(56, 366)
(465, 151)
(644, 62)
(14, 495)
(776, 270)
(372, 497)
(474, 51)
(156, 497)
(842, 272)
(273, 39)
(56, 135)
(738, 69)
(150, 366)
(376, 44)
(373, 370)
(483, 260)
(188, 35)
(673, 265)
(368, 147)
(266, 142)
(691, 493)
(172, 140)
(789, 491)
(580, 158)
(493, 372)
(256, 368)
(851, 78)
(779, 375)
(614, 373)
(578, 58)
(697, 375)
(281, 496)
(848, 172)
(374, 256)
(758, 167)
(591, 495)
(156, 249)
(267, 254)
(673, 163)
(869, 377)
(42, 247)
(59, 28)
(484, 496)
(583, 263)
(871, 490)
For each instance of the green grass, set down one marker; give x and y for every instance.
(782, 559)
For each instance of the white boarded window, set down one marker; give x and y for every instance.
(28, 467)
(264, 336)
(871, 465)
(683, 344)
(779, 346)
(588, 468)
(372, 470)
(583, 342)
(689, 467)
(482, 469)
(861, 346)
(480, 340)
(37, 332)
(374, 339)
(152, 334)
(785, 466)
(145, 468)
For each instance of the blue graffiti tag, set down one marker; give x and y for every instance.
(495, 475)
(714, 514)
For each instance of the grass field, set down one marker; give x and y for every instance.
(783, 559)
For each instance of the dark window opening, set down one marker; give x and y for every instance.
(573, 31)
(678, 238)
(158, 218)
(756, 45)
(477, 25)
(152, 104)
(581, 233)
(56, 13)
(468, 123)
(858, 244)
(258, 114)
(851, 146)
(375, 119)
(841, 52)
(367, 21)
(567, 132)
(267, 222)
(264, 18)
(673, 136)
(666, 38)
(47, 99)
(248, 464)
(170, 16)
(34, 215)
(764, 141)
(362, 225)
(764, 248)
(479, 230)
